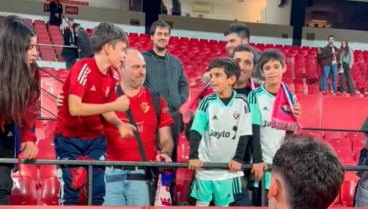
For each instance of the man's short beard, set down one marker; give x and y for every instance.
(230, 53)
(160, 48)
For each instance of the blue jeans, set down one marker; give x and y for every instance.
(123, 192)
(69, 148)
(326, 72)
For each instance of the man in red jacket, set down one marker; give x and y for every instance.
(128, 186)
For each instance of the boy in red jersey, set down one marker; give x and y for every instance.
(89, 93)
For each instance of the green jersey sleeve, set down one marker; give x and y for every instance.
(200, 122)
(254, 108)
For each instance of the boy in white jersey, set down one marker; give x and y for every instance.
(261, 102)
(219, 134)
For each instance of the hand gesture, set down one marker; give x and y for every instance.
(28, 150)
(121, 104)
(234, 166)
(258, 170)
(195, 164)
(163, 157)
(126, 130)
(297, 110)
(60, 99)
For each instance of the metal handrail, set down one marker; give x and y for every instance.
(331, 129)
(48, 73)
(90, 165)
(56, 45)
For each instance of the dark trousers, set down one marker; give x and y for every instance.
(68, 148)
(175, 131)
(7, 150)
(347, 75)
(70, 60)
(242, 199)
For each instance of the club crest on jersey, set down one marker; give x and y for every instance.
(236, 115)
(145, 107)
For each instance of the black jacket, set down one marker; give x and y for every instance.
(84, 44)
(55, 9)
(69, 40)
(326, 55)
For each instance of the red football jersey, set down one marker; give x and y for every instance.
(144, 115)
(86, 81)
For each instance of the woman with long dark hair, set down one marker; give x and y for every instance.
(19, 92)
(346, 62)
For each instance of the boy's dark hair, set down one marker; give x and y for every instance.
(240, 29)
(245, 48)
(330, 36)
(159, 23)
(271, 54)
(229, 65)
(312, 172)
(106, 33)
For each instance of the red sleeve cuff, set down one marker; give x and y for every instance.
(28, 136)
(168, 122)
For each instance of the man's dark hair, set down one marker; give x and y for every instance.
(229, 65)
(106, 33)
(159, 23)
(311, 171)
(245, 48)
(271, 54)
(330, 36)
(240, 29)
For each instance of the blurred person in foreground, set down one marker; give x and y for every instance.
(306, 174)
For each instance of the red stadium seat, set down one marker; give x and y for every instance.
(346, 156)
(50, 70)
(183, 185)
(48, 149)
(183, 149)
(31, 171)
(353, 136)
(62, 74)
(336, 202)
(329, 135)
(24, 191)
(49, 192)
(317, 134)
(358, 143)
(340, 143)
(347, 191)
(314, 89)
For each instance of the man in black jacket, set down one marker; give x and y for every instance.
(56, 11)
(69, 53)
(329, 58)
(83, 41)
(165, 74)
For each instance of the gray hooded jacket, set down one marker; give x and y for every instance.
(166, 75)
